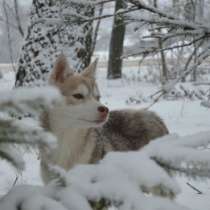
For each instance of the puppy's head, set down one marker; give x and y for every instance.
(82, 106)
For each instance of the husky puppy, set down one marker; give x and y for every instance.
(86, 130)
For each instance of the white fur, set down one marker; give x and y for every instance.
(73, 148)
(83, 115)
(71, 123)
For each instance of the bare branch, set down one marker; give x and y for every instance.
(103, 2)
(177, 23)
(193, 53)
(194, 188)
(121, 12)
(156, 49)
(174, 34)
(141, 5)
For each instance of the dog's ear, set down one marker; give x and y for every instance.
(61, 70)
(90, 71)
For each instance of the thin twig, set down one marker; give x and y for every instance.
(171, 35)
(104, 2)
(141, 5)
(156, 99)
(15, 181)
(84, 20)
(194, 188)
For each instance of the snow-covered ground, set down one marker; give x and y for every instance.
(182, 117)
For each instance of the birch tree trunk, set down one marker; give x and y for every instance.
(50, 34)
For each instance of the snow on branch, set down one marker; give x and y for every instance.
(188, 155)
(103, 2)
(174, 28)
(154, 50)
(178, 23)
(32, 100)
(185, 71)
(141, 5)
(66, 16)
(27, 131)
(122, 179)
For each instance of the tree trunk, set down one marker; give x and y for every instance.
(164, 72)
(198, 17)
(48, 35)
(116, 44)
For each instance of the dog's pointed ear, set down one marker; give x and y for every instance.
(90, 71)
(61, 70)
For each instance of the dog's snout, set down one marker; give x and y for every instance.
(103, 109)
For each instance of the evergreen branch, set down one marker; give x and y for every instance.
(182, 154)
(24, 132)
(192, 171)
(102, 204)
(6, 155)
(12, 131)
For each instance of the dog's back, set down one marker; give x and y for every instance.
(128, 130)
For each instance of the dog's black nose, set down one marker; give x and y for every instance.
(103, 109)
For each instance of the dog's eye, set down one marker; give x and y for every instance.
(78, 96)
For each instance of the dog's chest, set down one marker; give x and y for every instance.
(74, 146)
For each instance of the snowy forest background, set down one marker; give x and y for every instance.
(152, 54)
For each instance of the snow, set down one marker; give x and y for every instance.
(183, 117)
(27, 130)
(18, 161)
(19, 101)
(112, 180)
(183, 153)
(47, 94)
